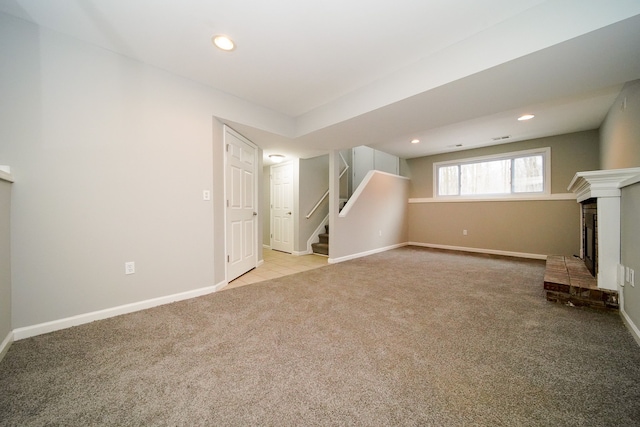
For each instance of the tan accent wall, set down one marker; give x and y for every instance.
(529, 227)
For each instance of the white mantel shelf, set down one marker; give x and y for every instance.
(604, 186)
(602, 183)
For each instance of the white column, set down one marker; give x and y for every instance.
(608, 241)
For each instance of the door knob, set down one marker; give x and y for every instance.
(255, 213)
(288, 213)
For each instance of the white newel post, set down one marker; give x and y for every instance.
(604, 186)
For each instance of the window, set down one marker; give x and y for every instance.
(504, 175)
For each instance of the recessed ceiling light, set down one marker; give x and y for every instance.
(415, 141)
(276, 158)
(223, 42)
(526, 117)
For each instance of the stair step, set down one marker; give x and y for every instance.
(320, 248)
(324, 238)
(567, 280)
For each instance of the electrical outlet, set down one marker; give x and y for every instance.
(129, 267)
(206, 195)
(380, 233)
(464, 232)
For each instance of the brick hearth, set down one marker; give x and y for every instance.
(567, 280)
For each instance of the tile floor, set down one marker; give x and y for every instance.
(278, 264)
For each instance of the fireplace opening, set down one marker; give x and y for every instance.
(590, 235)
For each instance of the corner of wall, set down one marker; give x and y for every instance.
(4, 346)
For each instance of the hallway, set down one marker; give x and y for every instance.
(278, 264)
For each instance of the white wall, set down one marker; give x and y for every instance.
(5, 266)
(111, 156)
(366, 158)
(374, 219)
(620, 148)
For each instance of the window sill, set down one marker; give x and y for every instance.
(546, 197)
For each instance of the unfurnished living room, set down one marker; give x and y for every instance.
(319, 213)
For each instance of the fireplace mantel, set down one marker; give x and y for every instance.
(603, 183)
(604, 186)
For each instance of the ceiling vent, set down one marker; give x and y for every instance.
(501, 138)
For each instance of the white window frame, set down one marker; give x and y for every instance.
(546, 159)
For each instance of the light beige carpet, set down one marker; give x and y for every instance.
(408, 337)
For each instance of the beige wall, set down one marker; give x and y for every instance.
(5, 261)
(313, 182)
(630, 247)
(620, 148)
(376, 219)
(111, 156)
(620, 132)
(528, 227)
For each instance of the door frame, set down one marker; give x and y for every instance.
(258, 245)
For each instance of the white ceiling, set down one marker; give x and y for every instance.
(342, 73)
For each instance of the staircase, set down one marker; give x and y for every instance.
(322, 248)
(568, 281)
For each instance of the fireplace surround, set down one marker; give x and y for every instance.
(601, 190)
(590, 235)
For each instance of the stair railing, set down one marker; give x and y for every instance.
(346, 166)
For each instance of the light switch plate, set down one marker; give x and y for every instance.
(129, 267)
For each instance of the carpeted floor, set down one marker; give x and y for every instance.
(408, 337)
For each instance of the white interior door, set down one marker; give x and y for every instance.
(242, 210)
(282, 207)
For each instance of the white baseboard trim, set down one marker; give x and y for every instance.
(480, 251)
(6, 343)
(300, 253)
(635, 332)
(366, 253)
(56, 325)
